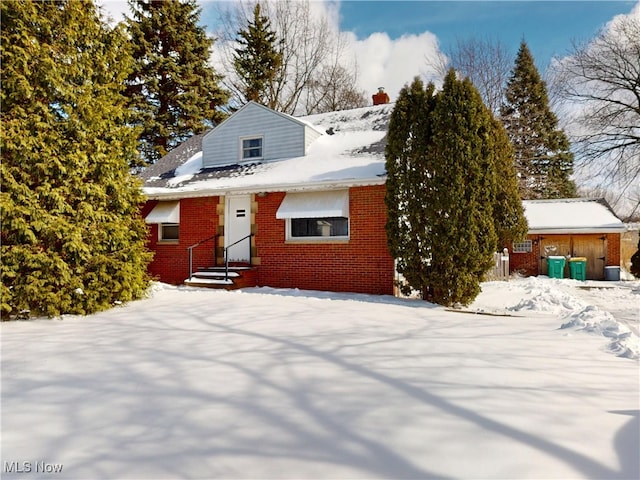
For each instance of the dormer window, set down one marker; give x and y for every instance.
(251, 148)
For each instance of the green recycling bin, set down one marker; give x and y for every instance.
(578, 268)
(555, 264)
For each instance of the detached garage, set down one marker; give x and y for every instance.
(575, 227)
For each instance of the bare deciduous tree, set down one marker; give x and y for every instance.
(601, 87)
(314, 72)
(487, 63)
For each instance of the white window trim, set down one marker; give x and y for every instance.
(161, 239)
(525, 246)
(241, 148)
(336, 239)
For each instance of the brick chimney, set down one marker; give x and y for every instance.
(381, 97)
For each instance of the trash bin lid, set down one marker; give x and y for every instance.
(578, 259)
(557, 257)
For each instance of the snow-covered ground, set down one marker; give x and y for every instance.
(266, 383)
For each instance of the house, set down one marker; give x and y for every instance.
(576, 227)
(268, 199)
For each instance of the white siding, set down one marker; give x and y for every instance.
(283, 137)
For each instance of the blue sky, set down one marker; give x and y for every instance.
(393, 41)
(548, 26)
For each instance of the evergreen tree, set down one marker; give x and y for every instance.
(408, 169)
(635, 262)
(509, 220)
(544, 161)
(445, 155)
(257, 59)
(172, 89)
(72, 237)
(460, 206)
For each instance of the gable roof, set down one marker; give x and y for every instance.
(252, 105)
(350, 152)
(571, 215)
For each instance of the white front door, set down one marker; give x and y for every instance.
(238, 226)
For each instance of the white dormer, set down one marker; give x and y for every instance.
(257, 133)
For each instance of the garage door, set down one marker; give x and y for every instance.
(594, 248)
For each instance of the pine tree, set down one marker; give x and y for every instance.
(442, 196)
(72, 237)
(172, 89)
(257, 59)
(544, 161)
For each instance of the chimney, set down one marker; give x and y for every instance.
(381, 97)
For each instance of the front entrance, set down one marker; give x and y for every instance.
(237, 227)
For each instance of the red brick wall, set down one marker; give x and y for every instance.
(198, 220)
(613, 249)
(363, 264)
(525, 263)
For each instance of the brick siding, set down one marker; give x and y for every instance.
(362, 264)
(198, 220)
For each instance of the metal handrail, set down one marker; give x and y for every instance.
(215, 252)
(226, 256)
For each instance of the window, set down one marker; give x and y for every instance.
(166, 214)
(319, 227)
(251, 148)
(522, 247)
(322, 215)
(169, 231)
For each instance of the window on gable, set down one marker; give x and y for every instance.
(251, 148)
(522, 247)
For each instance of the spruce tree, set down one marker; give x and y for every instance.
(544, 161)
(173, 90)
(257, 59)
(72, 237)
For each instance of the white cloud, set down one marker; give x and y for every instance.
(392, 63)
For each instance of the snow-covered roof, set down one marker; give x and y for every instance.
(349, 153)
(573, 215)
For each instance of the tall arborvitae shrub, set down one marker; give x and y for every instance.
(461, 203)
(408, 169)
(173, 89)
(544, 161)
(445, 156)
(72, 237)
(508, 214)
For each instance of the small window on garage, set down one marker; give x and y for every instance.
(522, 247)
